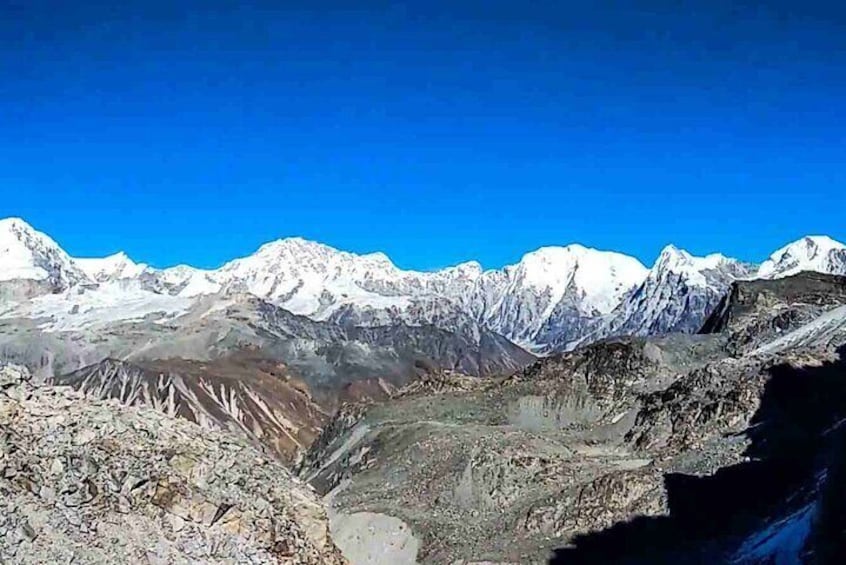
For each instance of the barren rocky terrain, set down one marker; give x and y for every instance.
(91, 481)
(717, 447)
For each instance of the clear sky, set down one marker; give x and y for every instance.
(434, 131)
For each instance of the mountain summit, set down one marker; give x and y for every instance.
(31, 255)
(114, 267)
(813, 253)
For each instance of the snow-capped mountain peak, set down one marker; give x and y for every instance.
(187, 281)
(672, 258)
(681, 263)
(294, 244)
(31, 255)
(811, 253)
(378, 257)
(16, 223)
(114, 267)
(555, 291)
(468, 269)
(603, 276)
(678, 293)
(298, 255)
(284, 254)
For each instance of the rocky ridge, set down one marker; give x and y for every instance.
(322, 354)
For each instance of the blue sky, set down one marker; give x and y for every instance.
(434, 132)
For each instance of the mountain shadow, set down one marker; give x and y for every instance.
(786, 504)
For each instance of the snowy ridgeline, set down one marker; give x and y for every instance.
(552, 299)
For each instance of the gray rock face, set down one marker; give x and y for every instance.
(765, 312)
(89, 481)
(677, 296)
(745, 448)
(687, 448)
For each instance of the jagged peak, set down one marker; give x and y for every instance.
(671, 250)
(182, 268)
(299, 246)
(467, 267)
(810, 253)
(673, 257)
(824, 241)
(119, 256)
(30, 254)
(596, 278)
(298, 252)
(377, 257)
(553, 252)
(294, 244)
(694, 269)
(568, 257)
(114, 258)
(809, 244)
(116, 266)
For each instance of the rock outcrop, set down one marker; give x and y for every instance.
(91, 481)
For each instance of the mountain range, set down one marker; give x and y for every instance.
(457, 416)
(553, 299)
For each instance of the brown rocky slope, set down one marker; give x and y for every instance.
(91, 481)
